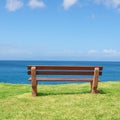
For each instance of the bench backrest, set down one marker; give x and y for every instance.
(65, 70)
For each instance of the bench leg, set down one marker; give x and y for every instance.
(34, 88)
(34, 81)
(94, 88)
(94, 83)
(91, 86)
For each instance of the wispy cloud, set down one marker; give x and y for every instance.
(36, 4)
(92, 51)
(111, 52)
(87, 53)
(109, 3)
(104, 52)
(69, 3)
(13, 52)
(13, 5)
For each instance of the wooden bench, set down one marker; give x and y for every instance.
(95, 71)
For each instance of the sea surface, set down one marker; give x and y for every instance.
(15, 72)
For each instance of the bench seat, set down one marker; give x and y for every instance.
(64, 79)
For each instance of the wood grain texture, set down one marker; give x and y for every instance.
(34, 82)
(65, 79)
(95, 81)
(65, 67)
(64, 73)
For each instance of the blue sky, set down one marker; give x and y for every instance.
(60, 30)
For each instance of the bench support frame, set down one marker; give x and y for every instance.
(93, 83)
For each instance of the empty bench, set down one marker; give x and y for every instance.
(36, 73)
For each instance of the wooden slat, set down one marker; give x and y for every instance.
(65, 79)
(63, 73)
(65, 67)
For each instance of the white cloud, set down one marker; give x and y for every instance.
(13, 5)
(109, 3)
(111, 52)
(104, 52)
(36, 4)
(92, 52)
(68, 3)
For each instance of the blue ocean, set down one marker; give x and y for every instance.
(15, 72)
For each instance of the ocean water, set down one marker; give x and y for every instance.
(16, 71)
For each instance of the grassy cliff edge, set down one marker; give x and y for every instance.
(60, 102)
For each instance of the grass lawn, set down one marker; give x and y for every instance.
(60, 102)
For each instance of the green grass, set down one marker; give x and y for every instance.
(60, 102)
